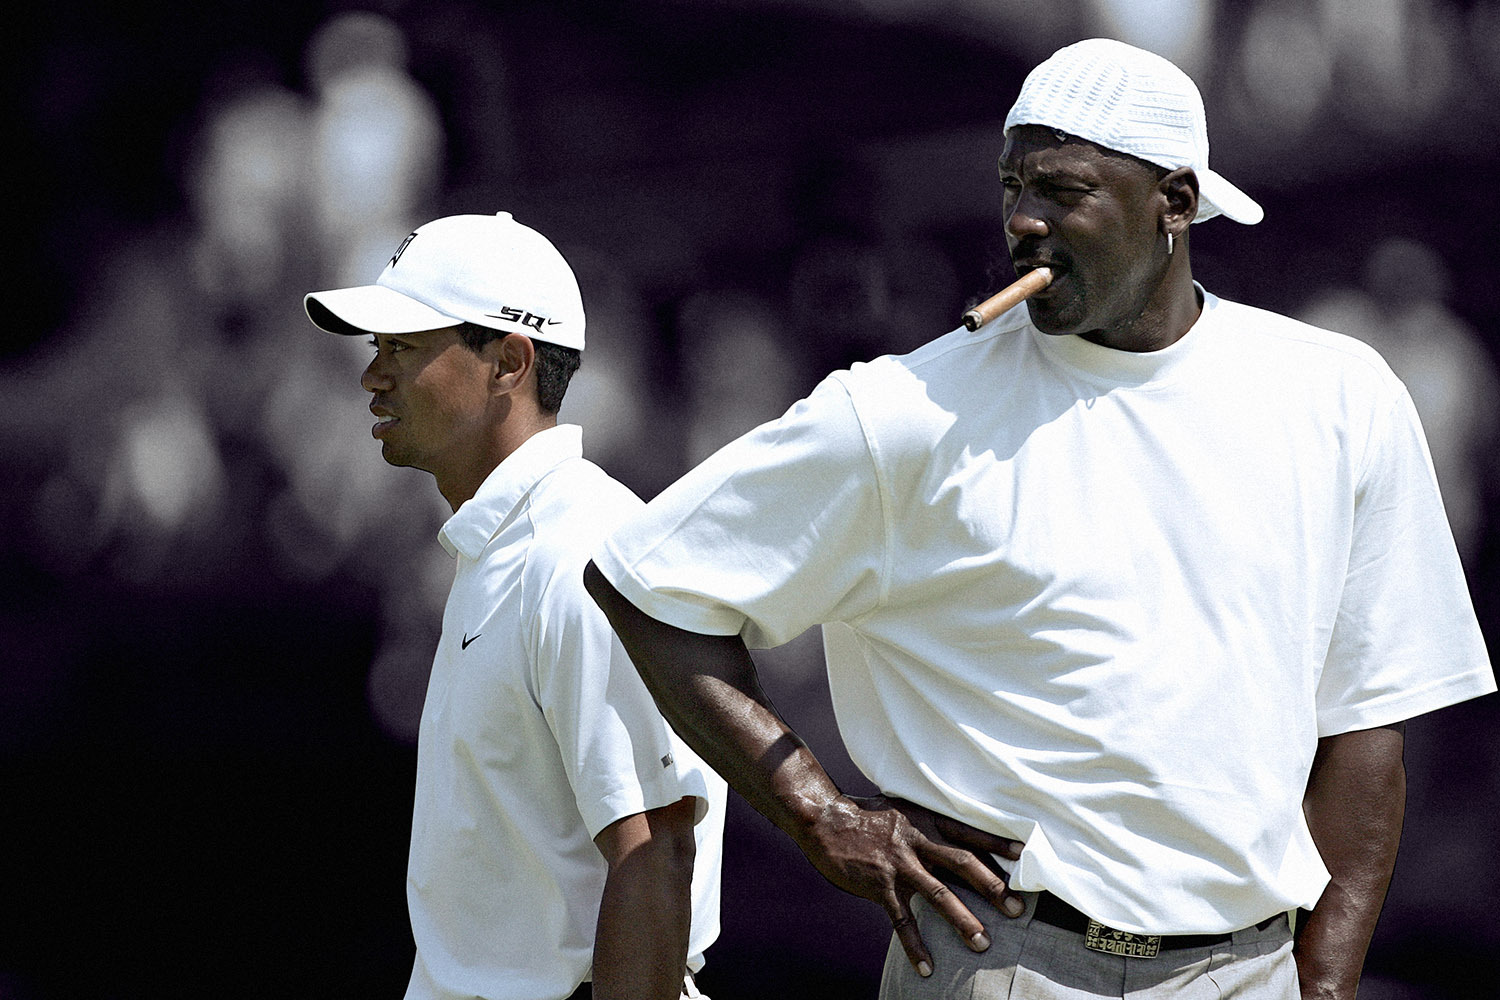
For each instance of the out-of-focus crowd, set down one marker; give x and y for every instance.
(186, 424)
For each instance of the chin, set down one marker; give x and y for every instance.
(1052, 322)
(393, 455)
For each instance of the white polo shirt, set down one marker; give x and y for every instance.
(537, 733)
(1101, 602)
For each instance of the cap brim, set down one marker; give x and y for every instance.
(1216, 196)
(372, 309)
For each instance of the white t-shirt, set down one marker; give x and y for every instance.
(537, 733)
(1102, 602)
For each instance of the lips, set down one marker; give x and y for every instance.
(386, 421)
(1030, 264)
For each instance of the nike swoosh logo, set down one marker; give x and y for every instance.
(467, 640)
(553, 322)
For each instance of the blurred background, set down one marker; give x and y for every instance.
(219, 605)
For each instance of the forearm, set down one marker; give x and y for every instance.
(706, 687)
(734, 727)
(645, 914)
(1355, 804)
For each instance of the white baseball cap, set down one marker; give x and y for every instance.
(1131, 101)
(484, 269)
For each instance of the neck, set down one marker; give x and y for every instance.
(509, 435)
(1163, 319)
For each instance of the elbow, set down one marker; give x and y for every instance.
(679, 855)
(656, 846)
(675, 847)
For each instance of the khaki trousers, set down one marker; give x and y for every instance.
(1031, 960)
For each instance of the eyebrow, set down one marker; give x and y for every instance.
(1049, 176)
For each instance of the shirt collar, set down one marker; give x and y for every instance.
(477, 519)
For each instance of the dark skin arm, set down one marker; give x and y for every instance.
(1355, 803)
(880, 848)
(641, 942)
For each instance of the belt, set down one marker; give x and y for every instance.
(1051, 910)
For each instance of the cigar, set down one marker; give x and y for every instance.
(1011, 295)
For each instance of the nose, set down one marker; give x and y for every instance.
(1023, 219)
(374, 379)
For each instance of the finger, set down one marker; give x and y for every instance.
(905, 927)
(952, 909)
(980, 873)
(975, 839)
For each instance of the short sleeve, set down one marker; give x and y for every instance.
(617, 750)
(1406, 640)
(781, 529)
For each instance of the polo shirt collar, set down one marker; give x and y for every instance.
(477, 519)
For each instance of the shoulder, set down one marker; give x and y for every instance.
(571, 509)
(903, 402)
(1302, 348)
(951, 355)
(987, 357)
(578, 483)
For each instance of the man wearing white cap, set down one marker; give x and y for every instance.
(1145, 580)
(564, 842)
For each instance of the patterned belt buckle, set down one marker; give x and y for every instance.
(1123, 943)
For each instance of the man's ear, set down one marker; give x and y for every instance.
(514, 358)
(1180, 189)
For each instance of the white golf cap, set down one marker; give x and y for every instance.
(1132, 101)
(484, 269)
